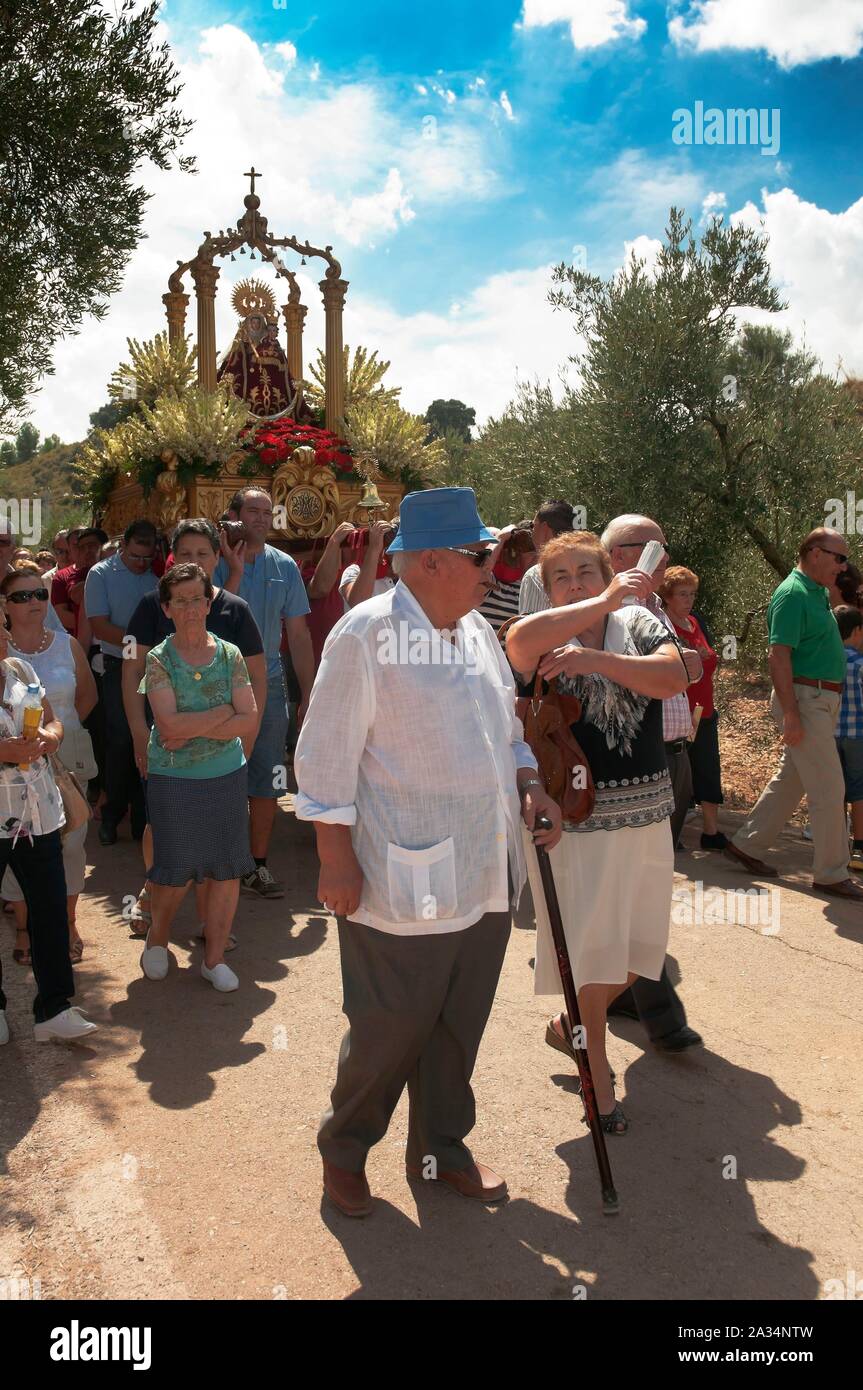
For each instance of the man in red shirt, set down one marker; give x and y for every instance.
(67, 586)
(322, 586)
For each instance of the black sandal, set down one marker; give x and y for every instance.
(615, 1122)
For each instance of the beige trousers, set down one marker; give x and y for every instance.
(812, 767)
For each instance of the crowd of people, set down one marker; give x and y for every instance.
(180, 677)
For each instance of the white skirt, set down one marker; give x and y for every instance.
(614, 888)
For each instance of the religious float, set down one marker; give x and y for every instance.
(187, 444)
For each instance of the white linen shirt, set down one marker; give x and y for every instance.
(414, 743)
(532, 597)
(676, 714)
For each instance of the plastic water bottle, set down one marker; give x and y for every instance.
(32, 717)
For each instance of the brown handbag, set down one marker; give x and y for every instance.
(564, 769)
(76, 807)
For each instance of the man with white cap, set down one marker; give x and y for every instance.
(412, 764)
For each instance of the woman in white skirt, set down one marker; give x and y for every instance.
(614, 871)
(62, 667)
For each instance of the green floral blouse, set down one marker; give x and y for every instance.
(196, 689)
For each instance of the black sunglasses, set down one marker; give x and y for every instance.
(479, 557)
(840, 559)
(25, 595)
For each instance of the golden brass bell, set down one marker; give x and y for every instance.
(370, 499)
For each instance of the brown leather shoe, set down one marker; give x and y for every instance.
(474, 1181)
(347, 1191)
(847, 888)
(755, 866)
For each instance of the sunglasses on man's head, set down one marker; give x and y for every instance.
(25, 595)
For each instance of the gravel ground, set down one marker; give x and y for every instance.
(174, 1155)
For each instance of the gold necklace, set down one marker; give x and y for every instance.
(196, 675)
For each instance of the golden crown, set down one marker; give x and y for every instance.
(253, 297)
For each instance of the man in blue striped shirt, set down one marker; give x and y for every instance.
(849, 724)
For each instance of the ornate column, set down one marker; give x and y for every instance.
(294, 315)
(205, 276)
(175, 303)
(334, 302)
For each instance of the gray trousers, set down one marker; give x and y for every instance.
(811, 766)
(417, 1007)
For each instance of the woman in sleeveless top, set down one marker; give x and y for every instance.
(31, 818)
(61, 666)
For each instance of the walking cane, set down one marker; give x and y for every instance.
(610, 1203)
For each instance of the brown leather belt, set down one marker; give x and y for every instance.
(821, 685)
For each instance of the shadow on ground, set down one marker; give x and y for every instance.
(686, 1228)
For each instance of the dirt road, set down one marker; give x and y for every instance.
(174, 1156)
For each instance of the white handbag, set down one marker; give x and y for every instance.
(76, 753)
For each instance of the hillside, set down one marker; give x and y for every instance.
(49, 477)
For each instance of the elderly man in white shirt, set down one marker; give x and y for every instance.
(411, 762)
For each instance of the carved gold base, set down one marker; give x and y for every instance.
(308, 500)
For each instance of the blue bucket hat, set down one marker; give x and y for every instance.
(439, 517)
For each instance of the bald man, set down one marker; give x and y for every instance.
(807, 667)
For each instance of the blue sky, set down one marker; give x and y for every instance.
(453, 152)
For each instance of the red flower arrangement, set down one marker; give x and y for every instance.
(273, 443)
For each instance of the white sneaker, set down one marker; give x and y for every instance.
(154, 962)
(4, 1028)
(67, 1026)
(221, 977)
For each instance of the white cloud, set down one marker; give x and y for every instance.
(506, 105)
(503, 330)
(641, 189)
(287, 51)
(790, 31)
(816, 258)
(366, 217)
(592, 23)
(643, 248)
(423, 91)
(714, 202)
(314, 72)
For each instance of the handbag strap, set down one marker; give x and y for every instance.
(537, 680)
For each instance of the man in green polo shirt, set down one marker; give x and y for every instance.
(807, 667)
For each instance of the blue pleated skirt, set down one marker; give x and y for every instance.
(200, 827)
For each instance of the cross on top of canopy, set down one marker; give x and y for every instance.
(252, 232)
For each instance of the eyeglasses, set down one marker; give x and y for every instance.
(840, 559)
(25, 595)
(639, 545)
(479, 557)
(188, 602)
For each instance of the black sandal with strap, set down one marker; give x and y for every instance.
(615, 1122)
